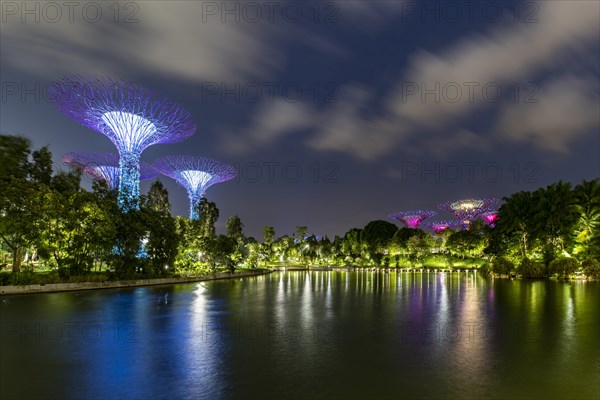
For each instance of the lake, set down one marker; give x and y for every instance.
(325, 334)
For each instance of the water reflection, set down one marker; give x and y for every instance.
(324, 334)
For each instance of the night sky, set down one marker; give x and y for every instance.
(380, 106)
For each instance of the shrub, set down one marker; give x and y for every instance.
(486, 269)
(530, 269)
(563, 267)
(591, 268)
(502, 266)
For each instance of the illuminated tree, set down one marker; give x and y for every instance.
(490, 217)
(196, 174)
(104, 167)
(439, 226)
(412, 219)
(469, 209)
(130, 116)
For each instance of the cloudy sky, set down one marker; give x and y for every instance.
(334, 113)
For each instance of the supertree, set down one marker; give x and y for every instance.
(104, 166)
(195, 174)
(412, 219)
(491, 217)
(439, 226)
(469, 209)
(130, 116)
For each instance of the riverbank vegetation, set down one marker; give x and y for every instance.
(53, 230)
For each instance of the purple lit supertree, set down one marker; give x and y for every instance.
(104, 166)
(469, 209)
(439, 226)
(195, 174)
(130, 116)
(412, 219)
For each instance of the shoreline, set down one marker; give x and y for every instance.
(78, 286)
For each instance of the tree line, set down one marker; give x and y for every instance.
(49, 220)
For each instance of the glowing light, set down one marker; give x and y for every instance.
(469, 209)
(196, 174)
(130, 130)
(491, 217)
(130, 116)
(104, 166)
(196, 179)
(439, 226)
(412, 219)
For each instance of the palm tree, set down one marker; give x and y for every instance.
(515, 218)
(555, 216)
(587, 203)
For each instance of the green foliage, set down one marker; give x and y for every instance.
(465, 243)
(235, 228)
(162, 239)
(591, 268)
(564, 267)
(377, 235)
(208, 216)
(530, 269)
(502, 266)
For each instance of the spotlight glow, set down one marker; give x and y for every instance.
(130, 116)
(196, 174)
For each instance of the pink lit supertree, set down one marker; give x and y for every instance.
(130, 116)
(104, 166)
(412, 219)
(195, 174)
(491, 217)
(468, 210)
(440, 226)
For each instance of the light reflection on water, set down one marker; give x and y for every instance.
(327, 334)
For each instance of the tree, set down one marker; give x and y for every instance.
(157, 199)
(14, 157)
(20, 211)
(301, 232)
(554, 218)
(268, 234)
(587, 229)
(219, 251)
(208, 216)
(235, 228)
(21, 198)
(162, 240)
(515, 219)
(377, 235)
(465, 242)
(41, 168)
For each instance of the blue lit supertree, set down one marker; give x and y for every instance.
(468, 210)
(104, 166)
(412, 219)
(130, 116)
(195, 174)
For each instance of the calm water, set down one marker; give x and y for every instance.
(307, 335)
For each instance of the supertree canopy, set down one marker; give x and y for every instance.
(439, 226)
(469, 209)
(104, 166)
(195, 174)
(491, 217)
(412, 219)
(130, 116)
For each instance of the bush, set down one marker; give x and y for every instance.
(25, 277)
(530, 269)
(486, 269)
(563, 267)
(502, 266)
(591, 268)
